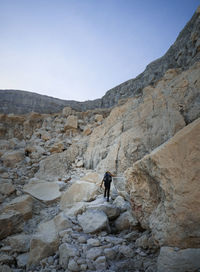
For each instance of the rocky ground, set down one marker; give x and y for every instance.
(56, 233)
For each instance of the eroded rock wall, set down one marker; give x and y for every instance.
(164, 189)
(142, 124)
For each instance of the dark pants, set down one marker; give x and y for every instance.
(107, 191)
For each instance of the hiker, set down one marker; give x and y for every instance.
(107, 179)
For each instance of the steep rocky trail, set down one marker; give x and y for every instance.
(90, 235)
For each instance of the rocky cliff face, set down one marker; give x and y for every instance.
(51, 166)
(182, 54)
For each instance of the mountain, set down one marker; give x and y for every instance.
(182, 54)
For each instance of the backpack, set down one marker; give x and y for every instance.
(107, 178)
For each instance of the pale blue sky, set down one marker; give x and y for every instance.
(79, 49)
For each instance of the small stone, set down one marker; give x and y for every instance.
(22, 260)
(6, 259)
(126, 251)
(100, 263)
(82, 239)
(93, 253)
(93, 242)
(110, 253)
(84, 267)
(73, 266)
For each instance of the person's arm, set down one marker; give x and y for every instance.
(101, 183)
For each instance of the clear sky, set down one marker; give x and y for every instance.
(79, 49)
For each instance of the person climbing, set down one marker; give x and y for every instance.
(107, 179)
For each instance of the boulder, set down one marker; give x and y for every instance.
(22, 204)
(19, 243)
(77, 208)
(93, 253)
(65, 252)
(45, 136)
(92, 177)
(11, 158)
(47, 192)
(185, 260)
(98, 117)
(121, 203)
(22, 260)
(79, 191)
(80, 164)
(164, 189)
(43, 245)
(87, 131)
(10, 222)
(73, 266)
(56, 165)
(145, 241)
(57, 148)
(6, 188)
(93, 221)
(110, 210)
(126, 221)
(71, 122)
(46, 241)
(100, 263)
(66, 111)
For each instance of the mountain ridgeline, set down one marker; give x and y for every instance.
(182, 54)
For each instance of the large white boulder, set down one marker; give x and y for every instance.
(165, 192)
(126, 220)
(92, 177)
(79, 191)
(46, 241)
(93, 221)
(47, 192)
(109, 209)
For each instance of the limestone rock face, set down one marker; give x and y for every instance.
(79, 191)
(142, 124)
(93, 221)
(178, 261)
(47, 192)
(164, 189)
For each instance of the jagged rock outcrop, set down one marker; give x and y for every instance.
(164, 190)
(141, 124)
(182, 54)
